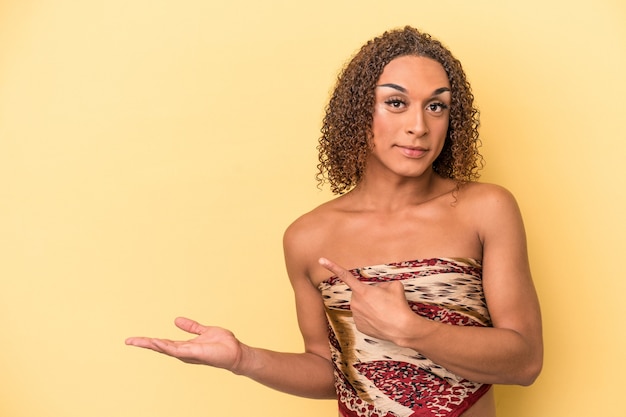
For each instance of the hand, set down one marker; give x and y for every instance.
(213, 346)
(379, 310)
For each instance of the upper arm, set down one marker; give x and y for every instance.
(309, 304)
(507, 281)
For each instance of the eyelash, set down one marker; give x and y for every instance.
(396, 102)
(442, 106)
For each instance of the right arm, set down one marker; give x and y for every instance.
(307, 374)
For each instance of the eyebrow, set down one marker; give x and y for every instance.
(404, 90)
(394, 86)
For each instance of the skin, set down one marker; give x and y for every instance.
(401, 210)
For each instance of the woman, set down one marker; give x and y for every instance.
(413, 289)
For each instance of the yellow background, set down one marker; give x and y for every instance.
(152, 153)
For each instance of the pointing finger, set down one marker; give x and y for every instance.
(341, 273)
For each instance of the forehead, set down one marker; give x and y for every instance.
(415, 71)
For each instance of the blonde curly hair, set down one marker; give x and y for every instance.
(347, 126)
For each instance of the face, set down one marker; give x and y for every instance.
(411, 115)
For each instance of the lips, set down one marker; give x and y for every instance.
(413, 151)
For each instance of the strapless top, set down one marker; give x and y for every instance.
(376, 377)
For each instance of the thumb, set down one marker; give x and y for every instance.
(190, 326)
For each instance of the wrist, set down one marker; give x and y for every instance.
(413, 330)
(244, 360)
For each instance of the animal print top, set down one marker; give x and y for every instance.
(376, 378)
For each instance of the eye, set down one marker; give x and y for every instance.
(395, 103)
(437, 107)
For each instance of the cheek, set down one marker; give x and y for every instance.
(440, 126)
(445, 125)
(380, 124)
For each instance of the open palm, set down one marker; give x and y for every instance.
(213, 346)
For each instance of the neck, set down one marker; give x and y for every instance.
(390, 194)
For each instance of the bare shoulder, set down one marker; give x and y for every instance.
(304, 237)
(487, 200)
(491, 208)
(311, 224)
(481, 192)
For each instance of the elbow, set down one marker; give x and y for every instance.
(529, 364)
(532, 373)
(528, 377)
(529, 373)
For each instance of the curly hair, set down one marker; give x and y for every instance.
(347, 125)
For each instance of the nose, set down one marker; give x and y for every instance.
(416, 123)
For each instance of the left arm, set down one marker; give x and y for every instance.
(510, 352)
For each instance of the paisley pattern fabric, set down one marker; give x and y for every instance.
(376, 378)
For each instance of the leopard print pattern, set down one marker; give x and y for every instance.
(376, 378)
